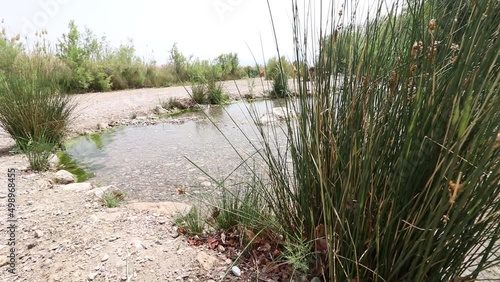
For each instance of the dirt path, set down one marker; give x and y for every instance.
(66, 235)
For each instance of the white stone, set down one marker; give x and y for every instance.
(38, 234)
(92, 276)
(64, 177)
(99, 191)
(206, 184)
(102, 126)
(236, 271)
(53, 161)
(160, 110)
(77, 187)
(105, 258)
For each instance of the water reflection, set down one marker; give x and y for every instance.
(151, 162)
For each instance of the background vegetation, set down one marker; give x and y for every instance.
(90, 64)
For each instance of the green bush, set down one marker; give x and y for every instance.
(280, 83)
(215, 93)
(199, 92)
(281, 66)
(32, 109)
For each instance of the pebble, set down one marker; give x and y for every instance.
(236, 271)
(4, 261)
(31, 245)
(38, 234)
(92, 276)
(105, 258)
(206, 184)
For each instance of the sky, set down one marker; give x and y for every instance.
(201, 28)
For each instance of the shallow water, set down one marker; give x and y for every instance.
(150, 163)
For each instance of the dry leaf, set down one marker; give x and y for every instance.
(181, 191)
(212, 243)
(249, 235)
(264, 248)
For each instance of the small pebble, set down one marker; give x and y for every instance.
(236, 271)
(105, 257)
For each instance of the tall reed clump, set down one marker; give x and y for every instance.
(395, 175)
(32, 109)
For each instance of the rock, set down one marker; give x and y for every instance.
(267, 119)
(92, 276)
(4, 261)
(53, 161)
(138, 245)
(206, 261)
(105, 258)
(31, 245)
(160, 110)
(277, 114)
(236, 271)
(77, 187)
(102, 126)
(54, 247)
(38, 234)
(206, 184)
(45, 183)
(99, 191)
(64, 177)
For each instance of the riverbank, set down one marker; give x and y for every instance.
(67, 235)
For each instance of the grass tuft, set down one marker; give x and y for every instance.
(113, 199)
(191, 223)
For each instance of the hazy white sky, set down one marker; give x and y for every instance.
(203, 28)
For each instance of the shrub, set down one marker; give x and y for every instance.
(32, 109)
(215, 93)
(180, 63)
(280, 83)
(282, 65)
(199, 92)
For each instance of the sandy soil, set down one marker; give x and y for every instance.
(66, 235)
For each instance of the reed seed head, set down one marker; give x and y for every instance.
(432, 25)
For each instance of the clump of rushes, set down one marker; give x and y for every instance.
(395, 172)
(199, 92)
(215, 93)
(32, 108)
